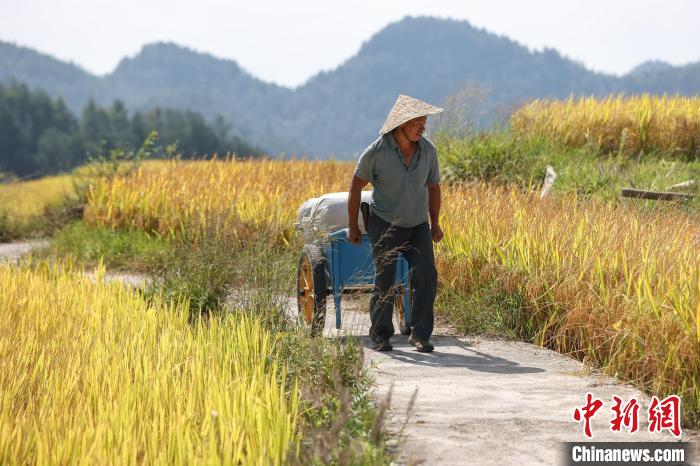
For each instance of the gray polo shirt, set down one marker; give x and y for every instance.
(400, 194)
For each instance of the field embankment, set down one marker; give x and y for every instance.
(595, 147)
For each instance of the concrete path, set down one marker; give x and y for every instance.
(10, 252)
(487, 402)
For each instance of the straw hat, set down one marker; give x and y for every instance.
(407, 108)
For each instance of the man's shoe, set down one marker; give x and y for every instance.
(382, 345)
(423, 346)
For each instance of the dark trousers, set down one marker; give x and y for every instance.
(416, 245)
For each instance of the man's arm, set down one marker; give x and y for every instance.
(354, 199)
(434, 201)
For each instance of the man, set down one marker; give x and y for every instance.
(403, 168)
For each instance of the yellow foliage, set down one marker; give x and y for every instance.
(615, 123)
(242, 197)
(92, 373)
(27, 199)
(598, 280)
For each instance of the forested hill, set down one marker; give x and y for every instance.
(39, 136)
(339, 112)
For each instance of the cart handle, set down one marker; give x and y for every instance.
(340, 235)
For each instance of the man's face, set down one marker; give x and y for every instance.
(413, 129)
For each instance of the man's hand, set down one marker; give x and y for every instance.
(434, 211)
(436, 232)
(354, 235)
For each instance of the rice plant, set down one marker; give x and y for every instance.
(244, 197)
(616, 124)
(23, 204)
(604, 282)
(93, 373)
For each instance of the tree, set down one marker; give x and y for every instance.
(39, 135)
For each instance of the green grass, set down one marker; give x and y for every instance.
(486, 311)
(120, 250)
(499, 157)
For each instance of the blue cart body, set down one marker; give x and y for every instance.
(351, 266)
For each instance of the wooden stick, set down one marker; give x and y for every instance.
(655, 195)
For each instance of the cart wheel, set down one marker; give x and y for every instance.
(398, 309)
(311, 290)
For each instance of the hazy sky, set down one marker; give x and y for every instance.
(288, 41)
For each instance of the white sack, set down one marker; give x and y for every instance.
(328, 213)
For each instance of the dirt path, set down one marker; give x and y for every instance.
(474, 400)
(482, 401)
(10, 252)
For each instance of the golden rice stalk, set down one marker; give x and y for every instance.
(615, 124)
(93, 373)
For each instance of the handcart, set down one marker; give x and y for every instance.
(332, 265)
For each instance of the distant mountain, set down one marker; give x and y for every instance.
(430, 59)
(170, 76)
(659, 78)
(54, 76)
(339, 112)
(651, 66)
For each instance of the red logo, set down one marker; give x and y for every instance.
(626, 416)
(663, 415)
(589, 409)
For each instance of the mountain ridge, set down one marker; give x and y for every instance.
(338, 112)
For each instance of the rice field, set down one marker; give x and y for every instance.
(23, 203)
(93, 373)
(606, 282)
(29, 198)
(96, 373)
(246, 198)
(616, 124)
